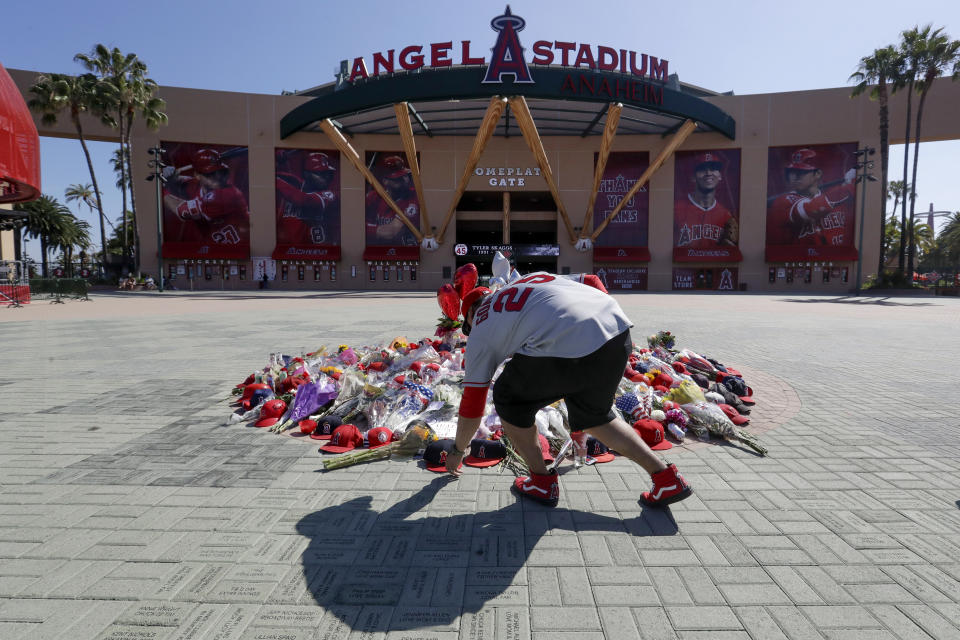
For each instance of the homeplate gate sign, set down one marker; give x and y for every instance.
(559, 70)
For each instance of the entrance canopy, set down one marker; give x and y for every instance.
(564, 101)
(554, 101)
(19, 145)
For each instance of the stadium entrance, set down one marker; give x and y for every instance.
(520, 225)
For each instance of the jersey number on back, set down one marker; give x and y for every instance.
(513, 298)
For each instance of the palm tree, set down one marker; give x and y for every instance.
(57, 92)
(47, 219)
(879, 69)
(937, 54)
(949, 240)
(74, 234)
(910, 51)
(133, 91)
(898, 191)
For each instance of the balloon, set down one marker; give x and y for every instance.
(449, 301)
(465, 279)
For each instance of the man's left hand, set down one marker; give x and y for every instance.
(454, 462)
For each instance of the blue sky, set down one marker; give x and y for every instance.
(259, 47)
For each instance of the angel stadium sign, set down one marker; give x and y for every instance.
(507, 57)
(455, 71)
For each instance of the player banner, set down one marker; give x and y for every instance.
(629, 227)
(707, 278)
(811, 201)
(205, 199)
(706, 206)
(308, 204)
(383, 227)
(623, 278)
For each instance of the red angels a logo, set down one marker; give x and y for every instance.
(507, 56)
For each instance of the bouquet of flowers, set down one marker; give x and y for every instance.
(417, 436)
(709, 417)
(663, 339)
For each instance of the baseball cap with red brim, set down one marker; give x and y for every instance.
(801, 160)
(652, 433)
(271, 413)
(346, 437)
(485, 453)
(249, 389)
(379, 437)
(733, 414)
(598, 451)
(325, 427)
(435, 455)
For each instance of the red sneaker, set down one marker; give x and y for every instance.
(668, 487)
(542, 488)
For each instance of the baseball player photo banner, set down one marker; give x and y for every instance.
(383, 227)
(629, 227)
(706, 206)
(205, 197)
(308, 204)
(811, 201)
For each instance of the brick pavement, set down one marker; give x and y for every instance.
(129, 510)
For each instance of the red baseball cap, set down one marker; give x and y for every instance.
(271, 413)
(734, 415)
(290, 383)
(307, 426)
(395, 167)
(485, 453)
(249, 380)
(598, 451)
(801, 159)
(652, 433)
(325, 427)
(249, 389)
(435, 455)
(379, 437)
(318, 163)
(345, 438)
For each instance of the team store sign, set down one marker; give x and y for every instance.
(507, 57)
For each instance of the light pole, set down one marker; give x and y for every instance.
(156, 163)
(863, 164)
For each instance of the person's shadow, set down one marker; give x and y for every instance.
(406, 568)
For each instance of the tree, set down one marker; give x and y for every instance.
(891, 240)
(897, 190)
(878, 70)
(949, 240)
(48, 220)
(910, 52)
(75, 234)
(132, 92)
(54, 93)
(936, 54)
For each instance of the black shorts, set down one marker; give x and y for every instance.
(588, 385)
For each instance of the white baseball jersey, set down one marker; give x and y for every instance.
(540, 315)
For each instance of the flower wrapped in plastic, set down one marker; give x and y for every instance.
(712, 418)
(415, 439)
(663, 339)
